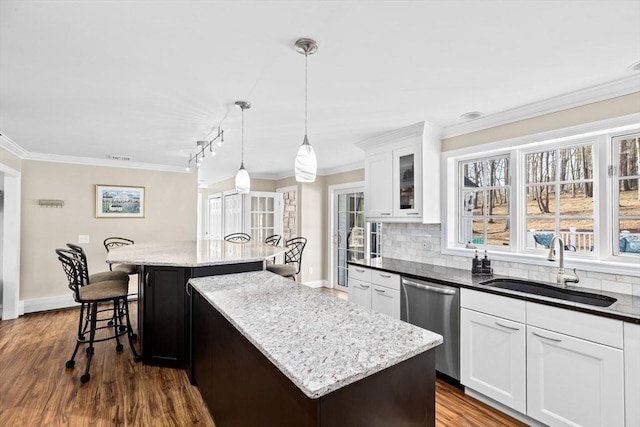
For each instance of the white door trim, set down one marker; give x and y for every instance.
(11, 243)
(333, 191)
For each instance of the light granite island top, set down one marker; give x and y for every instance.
(320, 342)
(192, 253)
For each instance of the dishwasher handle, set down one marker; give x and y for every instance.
(428, 288)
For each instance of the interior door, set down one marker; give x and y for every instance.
(215, 217)
(232, 208)
(349, 234)
(263, 215)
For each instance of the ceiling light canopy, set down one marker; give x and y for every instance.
(306, 164)
(243, 180)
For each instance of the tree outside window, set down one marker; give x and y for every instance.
(627, 195)
(559, 197)
(484, 203)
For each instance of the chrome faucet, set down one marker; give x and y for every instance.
(562, 278)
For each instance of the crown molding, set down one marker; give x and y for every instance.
(9, 145)
(411, 131)
(601, 92)
(88, 161)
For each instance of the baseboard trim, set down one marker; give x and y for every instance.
(47, 303)
(317, 284)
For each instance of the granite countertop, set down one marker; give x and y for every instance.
(626, 308)
(320, 342)
(192, 253)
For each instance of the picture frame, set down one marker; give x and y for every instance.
(117, 201)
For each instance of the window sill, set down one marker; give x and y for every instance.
(585, 263)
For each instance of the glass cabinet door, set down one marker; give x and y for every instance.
(407, 182)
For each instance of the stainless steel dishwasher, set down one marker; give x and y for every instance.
(435, 307)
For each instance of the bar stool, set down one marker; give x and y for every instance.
(237, 237)
(292, 259)
(116, 242)
(90, 296)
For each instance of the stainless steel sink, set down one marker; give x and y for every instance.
(550, 291)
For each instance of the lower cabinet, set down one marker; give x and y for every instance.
(557, 366)
(376, 290)
(493, 357)
(572, 381)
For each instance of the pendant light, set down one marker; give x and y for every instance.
(306, 163)
(243, 181)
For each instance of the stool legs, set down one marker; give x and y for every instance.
(88, 322)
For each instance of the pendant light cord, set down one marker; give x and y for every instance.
(242, 145)
(305, 93)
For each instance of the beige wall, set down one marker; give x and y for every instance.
(8, 159)
(170, 215)
(610, 108)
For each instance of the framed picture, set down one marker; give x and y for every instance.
(115, 201)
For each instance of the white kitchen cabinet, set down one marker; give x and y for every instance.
(374, 289)
(407, 182)
(632, 373)
(385, 300)
(378, 172)
(360, 292)
(402, 175)
(492, 347)
(559, 367)
(492, 357)
(571, 381)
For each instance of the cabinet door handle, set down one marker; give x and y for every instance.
(385, 275)
(146, 280)
(379, 290)
(546, 338)
(413, 213)
(385, 213)
(363, 287)
(359, 270)
(507, 327)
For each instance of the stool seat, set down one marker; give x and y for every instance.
(102, 291)
(285, 270)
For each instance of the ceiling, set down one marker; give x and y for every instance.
(147, 79)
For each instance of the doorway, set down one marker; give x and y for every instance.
(349, 232)
(10, 241)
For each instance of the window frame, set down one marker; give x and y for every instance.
(602, 133)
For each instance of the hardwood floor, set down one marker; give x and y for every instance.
(37, 390)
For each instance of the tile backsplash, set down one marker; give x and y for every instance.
(422, 242)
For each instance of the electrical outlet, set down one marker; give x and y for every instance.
(83, 238)
(424, 246)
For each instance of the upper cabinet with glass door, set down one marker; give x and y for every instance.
(407, 182)
(396, 179)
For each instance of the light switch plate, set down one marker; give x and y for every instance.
(83, 238)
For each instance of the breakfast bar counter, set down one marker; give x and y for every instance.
(164, 267)
(268, 351)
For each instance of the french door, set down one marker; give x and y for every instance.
(350, 232)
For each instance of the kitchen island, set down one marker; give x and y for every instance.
(163, 304)
(269, 352)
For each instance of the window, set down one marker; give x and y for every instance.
(581, 183)
(559, 197)
(626, 193)
(484, 202)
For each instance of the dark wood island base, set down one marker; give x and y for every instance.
(242, 387)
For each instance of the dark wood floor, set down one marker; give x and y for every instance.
(37, 390)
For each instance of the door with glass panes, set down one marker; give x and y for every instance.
(350, 233)
(263, 215)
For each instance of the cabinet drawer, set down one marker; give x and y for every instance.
(360, 273)
(581, 325)
(497, 305)
(388, 280)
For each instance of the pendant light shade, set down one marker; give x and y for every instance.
(306, 164)
(243, 180)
